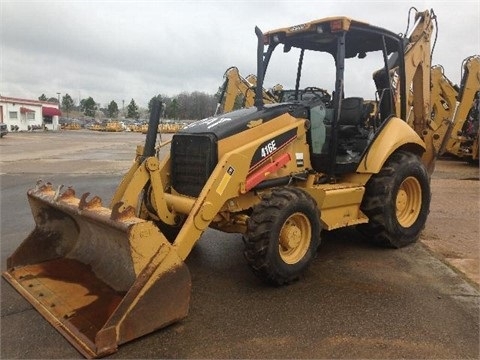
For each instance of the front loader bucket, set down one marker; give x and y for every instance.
(101, 277)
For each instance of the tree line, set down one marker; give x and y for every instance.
(184, 106)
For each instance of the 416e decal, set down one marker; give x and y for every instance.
(270, 147)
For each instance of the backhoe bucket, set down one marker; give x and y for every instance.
(100, 276)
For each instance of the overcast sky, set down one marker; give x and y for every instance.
(119, 50)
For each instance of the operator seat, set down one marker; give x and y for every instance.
(351, 115)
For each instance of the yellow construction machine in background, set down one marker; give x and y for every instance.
(73, 125)
(463, 103)
(165, 128)
(278, 173)
(108, 126)
(239, 92)
(455, 110)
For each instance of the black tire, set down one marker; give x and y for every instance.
(473, 162)
(397, 202)
(283, 234)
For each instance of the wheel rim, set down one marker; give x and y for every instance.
(295, 237)
(409, 201)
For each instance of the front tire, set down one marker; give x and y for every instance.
(283, 234)
(397, 202)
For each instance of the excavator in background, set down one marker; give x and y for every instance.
(278, 173)
(239, 92)
(463, 132)
(455, 109)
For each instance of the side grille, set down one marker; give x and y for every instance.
(194, 156)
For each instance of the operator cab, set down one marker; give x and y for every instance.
(338, 54)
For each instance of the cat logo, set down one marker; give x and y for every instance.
(254, 123)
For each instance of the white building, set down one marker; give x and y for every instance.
(25, 115)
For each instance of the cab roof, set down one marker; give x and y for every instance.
(321, 35)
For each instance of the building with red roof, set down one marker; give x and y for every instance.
(25, 114)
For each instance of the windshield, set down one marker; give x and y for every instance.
(319, 71)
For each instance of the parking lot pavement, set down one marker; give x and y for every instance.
(452, 231)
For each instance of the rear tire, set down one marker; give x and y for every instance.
(283, 234)
(397, 202)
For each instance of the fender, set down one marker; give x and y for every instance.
(395, 134)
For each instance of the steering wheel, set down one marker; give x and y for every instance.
(318, 94)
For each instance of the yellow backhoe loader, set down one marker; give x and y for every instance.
(73, 125)
(462, 138)
(239, 92)
(277, 173)
(455, 109)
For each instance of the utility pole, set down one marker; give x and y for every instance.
(58, 121)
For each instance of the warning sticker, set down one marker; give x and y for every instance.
(225, 179)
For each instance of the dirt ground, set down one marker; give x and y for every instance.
(452, 229)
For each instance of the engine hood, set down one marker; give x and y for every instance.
(237, 121)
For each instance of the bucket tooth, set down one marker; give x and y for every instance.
(67, 194)
(42, 186)
(119, 215)
(95, 202)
